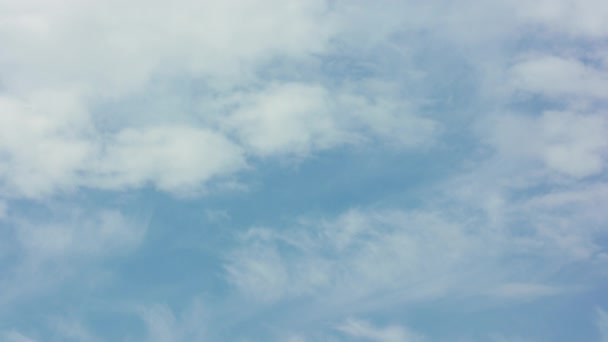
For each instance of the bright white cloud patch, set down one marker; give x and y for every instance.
(287, 118)
(172, 157)
(50, 144)
(114, 47)
(44, 142)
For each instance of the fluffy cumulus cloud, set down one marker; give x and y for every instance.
(58, 70)
(301, 118)
(286, 118)
(110, 48)
(49, 144)
(451, 170)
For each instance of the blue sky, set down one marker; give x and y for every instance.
(303, 170)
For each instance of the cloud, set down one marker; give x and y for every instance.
(115, 97)
(286, 118)
(48, 254)
(569, 143)
(58, 71)
(574, 18)
(49, 146)
(260, 272)
(556, 77)
(385, 257)
(103, 233)
(115, 54)
(175, 158)
(75, 122)
(44, 142)
(299, 118)
(162, 325)
(364, 330)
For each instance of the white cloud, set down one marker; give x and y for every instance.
(122, 45)
(103, 233)
(287, 118)
(571, 17)
(405, 256)
(162, 325)
(58, 74)
(299, 118)
(248, 80)
(174, 158)
(386, 117)
(66, 244)
(569, 143)
(49, 145)
(364, 330)
(259, 271)
(44, 142)
(50, 142)
(556, 77)
(58, 68)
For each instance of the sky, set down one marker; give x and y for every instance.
(303, 170)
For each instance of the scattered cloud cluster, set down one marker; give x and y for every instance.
(101, 102)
